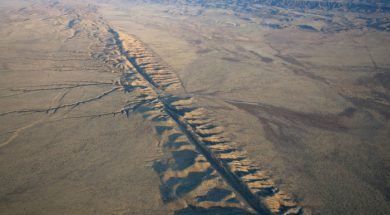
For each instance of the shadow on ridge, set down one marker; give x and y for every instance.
(191, 210)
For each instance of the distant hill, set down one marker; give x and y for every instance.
(329, 15)
(367, 6)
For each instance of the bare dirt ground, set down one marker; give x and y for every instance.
(117, 108)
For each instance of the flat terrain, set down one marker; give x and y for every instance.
(114, 107)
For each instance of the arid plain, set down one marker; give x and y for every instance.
(126, 107)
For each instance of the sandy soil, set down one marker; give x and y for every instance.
(117, 108)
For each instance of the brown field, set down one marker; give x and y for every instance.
(111, 107)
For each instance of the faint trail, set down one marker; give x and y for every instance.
(374, 64)
(57, 100)
(18, 131)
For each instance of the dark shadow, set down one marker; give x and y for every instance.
(184, 185)
(215, 195)
(191, 210)
(184, 159)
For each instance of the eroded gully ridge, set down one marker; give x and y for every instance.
(184, 122)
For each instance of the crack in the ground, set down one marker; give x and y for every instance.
(64, 86)
(55, 109)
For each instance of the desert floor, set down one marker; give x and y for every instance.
(119, 108)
